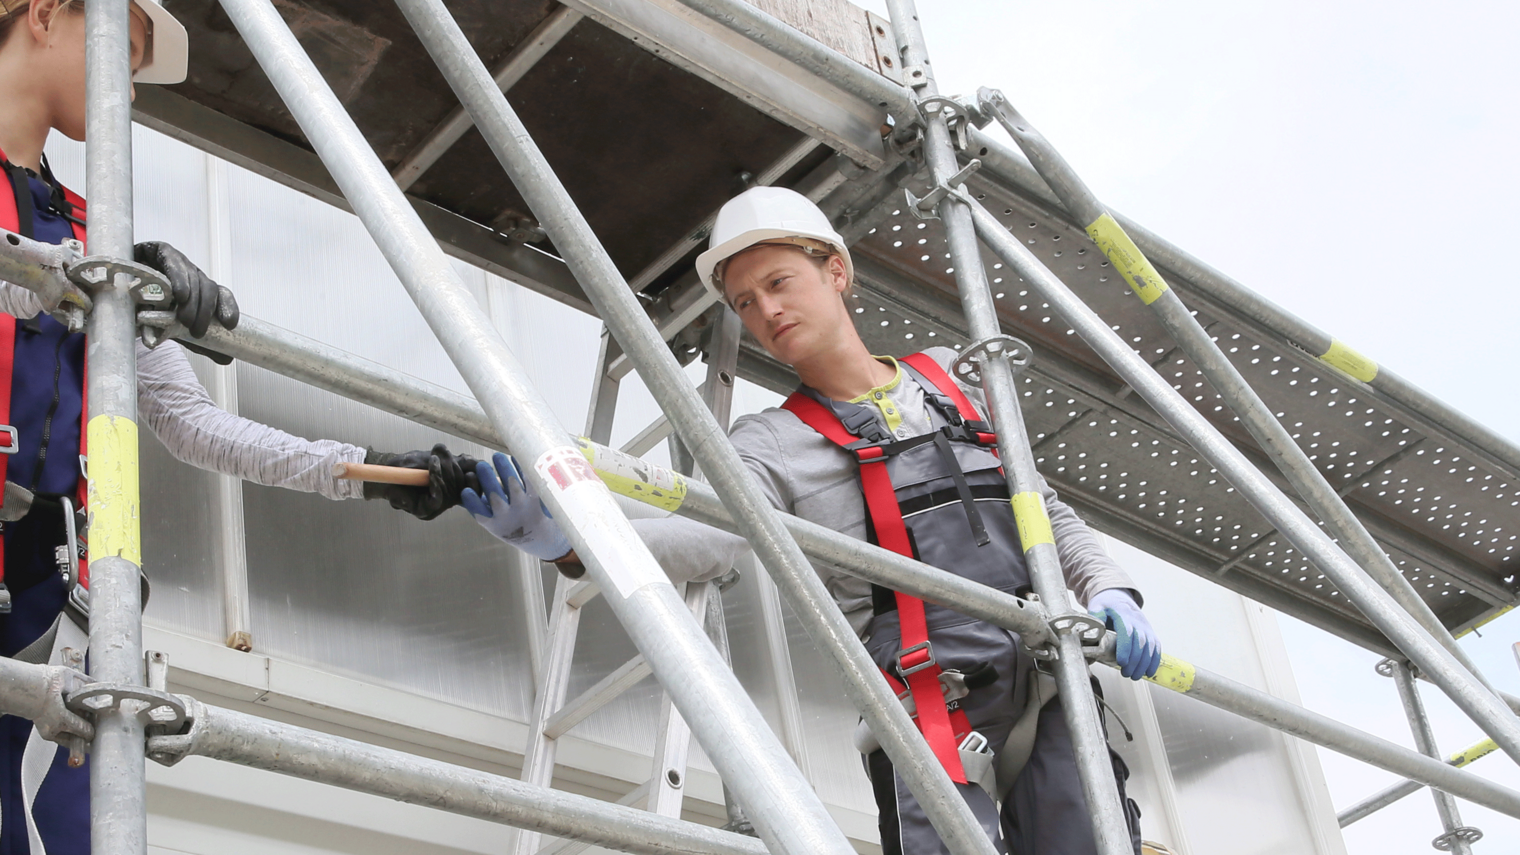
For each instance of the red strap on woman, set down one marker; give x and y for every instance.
(10, 220)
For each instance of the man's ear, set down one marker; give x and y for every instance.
(838, 274)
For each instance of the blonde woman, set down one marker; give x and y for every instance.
(44, 804)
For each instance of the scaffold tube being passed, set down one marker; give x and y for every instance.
(726, 722)
(284, 352)
(758, 521)
(259, 743)
(1485, 708)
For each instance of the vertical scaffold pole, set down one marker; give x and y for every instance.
(1487, 710)
(1455, 837)
(787, 812)
(756, 519)
(1205, 353)
(1079, 706)
(118, 787)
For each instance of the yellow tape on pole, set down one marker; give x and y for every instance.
(1349, 362)
(1174, 674)
(637, 479)
(115, 517)
(1127, 258)
(1034, 523)
(1474, 752)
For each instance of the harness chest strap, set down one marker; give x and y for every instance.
(916, 658)
(10, 220)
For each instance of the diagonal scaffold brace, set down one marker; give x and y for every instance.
(760, 523)
(1488, 710)
(1356, 561)
(789, 815)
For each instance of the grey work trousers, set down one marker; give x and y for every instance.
(1046, 812)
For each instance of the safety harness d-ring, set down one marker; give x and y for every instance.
(967, 366)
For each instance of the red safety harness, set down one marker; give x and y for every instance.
(10, 220)
(943, 728)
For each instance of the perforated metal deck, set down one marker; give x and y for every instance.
(1447, 517)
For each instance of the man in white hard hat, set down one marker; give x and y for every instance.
(857, 449)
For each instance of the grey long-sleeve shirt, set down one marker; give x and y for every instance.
(804, 474)
(174, 404)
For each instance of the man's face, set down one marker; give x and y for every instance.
(790, 305)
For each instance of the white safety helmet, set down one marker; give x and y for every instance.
(166, 57)
(766, 215)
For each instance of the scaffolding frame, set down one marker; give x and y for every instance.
(139, 719)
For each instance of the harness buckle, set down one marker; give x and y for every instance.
(12, 440)
(905, 669)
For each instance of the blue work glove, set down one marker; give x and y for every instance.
(1138, 650)
(515, 514)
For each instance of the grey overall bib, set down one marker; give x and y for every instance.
(954, 503)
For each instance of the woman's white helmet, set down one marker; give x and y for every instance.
(762, 215)
(167, 57)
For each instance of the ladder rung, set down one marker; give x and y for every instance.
(583, 705)
(581, 593)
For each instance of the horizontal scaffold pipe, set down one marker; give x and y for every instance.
(1274, 712)
(337, 371)
(1379, 800)
(329, 368)
(259, 743)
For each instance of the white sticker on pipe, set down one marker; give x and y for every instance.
(592, 512)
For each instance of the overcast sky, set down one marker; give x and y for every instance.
(1353, 161)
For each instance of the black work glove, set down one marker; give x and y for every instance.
(197, 297)
(448, 475)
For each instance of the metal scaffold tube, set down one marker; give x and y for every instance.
(759, 522)
(1274, 712)
(1379, 800)
(118, 788)
(1079, 706)
(259, 743)
(1486, 709)
(1216, 367)
(1455, 837)
(735, 736)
